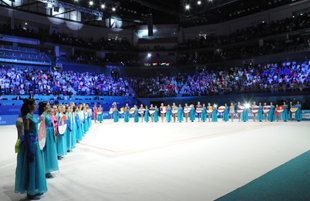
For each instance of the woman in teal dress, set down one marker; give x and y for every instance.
(69, 129)
(260, 115)
(74, 128)
(192, 116)
(285, 114)
(298, 114)
(180, 114)
(271, 113)
(136, 117)
(168, 114)
(226, 114)
(146, 115)
(49, 151)
(61, 144)
(79, 128)
(115, 114)
(90, 115)
(100, 116)
(244, 115)
(156, 116)
(85, 120)
(204, 113)
(214, 113)
(126, 114)
(30, 174)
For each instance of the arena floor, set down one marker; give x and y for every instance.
(163, 161)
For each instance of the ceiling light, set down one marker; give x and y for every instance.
(187, 7)
(102, 6)
(113, 9)
(198, 2)
(91, 3)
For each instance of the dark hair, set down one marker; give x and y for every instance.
(42, 106)
(74, 108)
(25, 109)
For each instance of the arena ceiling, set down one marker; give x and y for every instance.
(176, 11)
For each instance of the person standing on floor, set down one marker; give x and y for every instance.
(209, 113)
(226, 114)
(285, 113)
(298, 113)
(271, 113)
(146, 116)
(61, 143)
(30, 175)
(254, 114)
(49, 151)
(265, 113)
(162, 114)
(136, 117)
(260, 113)
(168, 114)
(180, 114)
(192, 116)
(204, 113)
(156, 118)
(186, 114)
(126, 113)
(232, 111)
(100, 116)
(95, 113)
(244, 115)
(116, 114)
(214, 113)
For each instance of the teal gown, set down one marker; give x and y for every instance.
(89, 120)
(260, 115)
(49, 151)
(271, 114)
(100, 116)
(74, 131)
(180, 114)
(61, 144)
(168, 115)
(156, 118)
(298, 114)
(226, 114)
(146, 116)
(126, 115)
(204, 114)
(85, 123)
(285, 114)
(136, 117)
(69, 133)
(116, 117)
(244, 115)
(192, 116)
(30, 176)
(79, 128)
(214, 115)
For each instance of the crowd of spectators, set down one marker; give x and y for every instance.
(159, 86)
(260, 30)
(39, 81)
(271, 77)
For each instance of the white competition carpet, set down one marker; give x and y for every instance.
(162, 161)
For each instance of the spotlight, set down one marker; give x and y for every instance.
(91, 3)
(102, 6)
(149, 55)
(247, 105)
(113, 9)
(187, 7)
(198, 2)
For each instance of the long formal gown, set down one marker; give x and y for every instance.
(126, 115)
(136, 117)
(285, 114)
(156, 118)
(226, 114)
(244, 115)
(214, 115)
(116, 117)
(192, 116)
(49, 151)
(30, 176)
(180, 114)
(271, 114)
(260, 115)
(146, 116)
(204, 114)
(79, 128)
(168, 115)
(61, 143)
(100, 116)
(298, 114)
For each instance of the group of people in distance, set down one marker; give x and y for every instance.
(205, 113)
(35, 166)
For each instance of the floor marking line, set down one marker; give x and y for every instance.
(102, 148)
